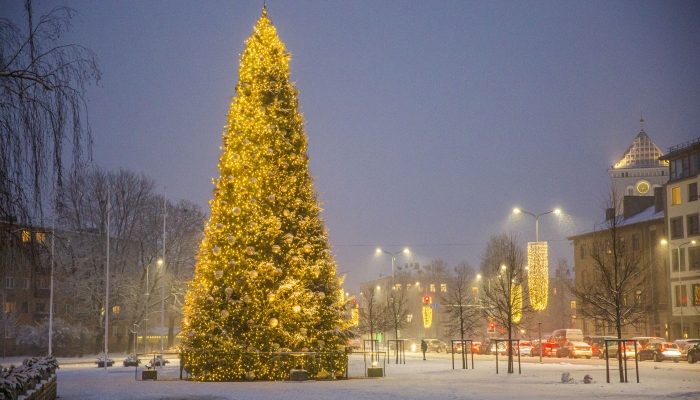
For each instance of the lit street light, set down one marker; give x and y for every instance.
(537, 269)
(680, 290)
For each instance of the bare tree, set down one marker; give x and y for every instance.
(503, 280)
(373, 313)
(608, 288)
(397, 307)
(42, 110)
(461, 307)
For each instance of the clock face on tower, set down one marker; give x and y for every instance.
(642, 187)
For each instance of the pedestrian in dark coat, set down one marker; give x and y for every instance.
(423, 347)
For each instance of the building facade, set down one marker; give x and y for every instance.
(682, 244)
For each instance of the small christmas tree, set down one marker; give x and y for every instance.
(265, 282)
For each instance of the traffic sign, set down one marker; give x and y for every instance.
(435, 306)
(535, 329)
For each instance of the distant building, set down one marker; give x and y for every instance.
(638, 177)
(682, 224)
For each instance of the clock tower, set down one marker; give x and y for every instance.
(639, 170)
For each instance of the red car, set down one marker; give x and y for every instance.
(550, 349)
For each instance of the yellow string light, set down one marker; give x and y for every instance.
(538, 274)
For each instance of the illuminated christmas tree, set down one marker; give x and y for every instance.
(265, 283)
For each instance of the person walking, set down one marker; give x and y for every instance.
(423, 347)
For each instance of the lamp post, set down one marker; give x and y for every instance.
(680, 290)
(109, 207)
(537, 240)
(393, 300)
(162, 298)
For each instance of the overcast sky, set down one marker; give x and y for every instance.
(427, 121)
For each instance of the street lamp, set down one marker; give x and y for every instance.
(538, 272)
(162, 263)
(680, 290)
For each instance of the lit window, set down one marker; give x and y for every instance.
(696, 295)
(116, 309)
(432, 287)
(475, 291)
(443, 287)
(398, 286)
(573, 304)
(26, 236)
(409, 317)
(408, 286)
(676, 196)
(9, 306)
(40, 237)
(554, 291)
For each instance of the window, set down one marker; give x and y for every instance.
(43, 284)
(432, 287)
(67, 308)
(692, 191)
(638, 297)
(635, 241)
(40, 237)
(681, 295)
(115, 331)
(584, 278)
(677, 228)
(696, 295)
(9, 282)
(26, 236)
(573, 304)
(40, 308)
(694, 258)
(693, 225)
(608, 247)
(9, 306)
(583, 251)
(409, 317)
(408, 286)
(622, 245)
(674, 260)
(475, 291)
(10, 332)
(640, 326)
(443, 287)
(116, 309)
(55, 308)
(25, 307)
(398, 286)
(25, 283)
(554, 291)
(596, 249)
(676, 196)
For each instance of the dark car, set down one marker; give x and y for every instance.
(132, 361)
(694, 353)
(435, 345)
(550, 349)
(660, 352)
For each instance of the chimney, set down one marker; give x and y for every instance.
(658, 199)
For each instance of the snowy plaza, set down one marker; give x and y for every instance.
(417, 379)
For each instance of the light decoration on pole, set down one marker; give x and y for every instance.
(427, 312)
(516, 301)
(265, 282)
(538, 274)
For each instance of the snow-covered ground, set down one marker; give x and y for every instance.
(417, 379)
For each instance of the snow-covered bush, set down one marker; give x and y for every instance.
(15, 381)
(65, 341)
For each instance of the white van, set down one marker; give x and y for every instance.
(561, 336)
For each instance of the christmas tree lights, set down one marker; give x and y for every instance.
(265, 283)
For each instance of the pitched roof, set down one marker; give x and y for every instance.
(642, 153)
